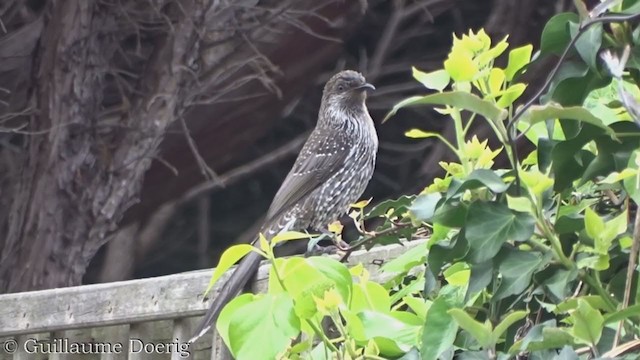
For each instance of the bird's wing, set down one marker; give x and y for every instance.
(319, 159)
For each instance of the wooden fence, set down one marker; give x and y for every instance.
(137, 319)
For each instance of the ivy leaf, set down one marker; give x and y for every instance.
(555, 35)
(481, 332)
(435, 343)
(424, 206)
(516, 269)
(587, 323)
(489, 225)
(541, 113)
(477, 179)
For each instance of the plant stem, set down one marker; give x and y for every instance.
(322, 336)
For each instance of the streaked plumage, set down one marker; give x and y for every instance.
(331, 172)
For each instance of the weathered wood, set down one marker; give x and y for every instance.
(160, 298)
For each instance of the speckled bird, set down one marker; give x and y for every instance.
(330, 173)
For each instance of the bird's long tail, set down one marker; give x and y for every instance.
(237, 281)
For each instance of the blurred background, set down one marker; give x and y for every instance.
(85, 78)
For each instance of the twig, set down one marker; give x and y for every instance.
(633, 259)
(204, 168)
(367, 239)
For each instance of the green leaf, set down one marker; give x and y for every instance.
(435, 80)
(518, 58)
(506, 323)
(632, 184)
(420, 134)
(481, 276)
(288, 236)
(555, 35)
(456, 99)
(393, 337)
(263, 328)
(424, 207)
(407, 261)
(587, 323)
(542, 113)
(481, 332)
(516, 269)
(460, 66)
(633, 310)
(510, 95)
(588, 45)
(370, 296)
(558, 283)
(228, 311)
(489, 225)
(336, 272)
(477, 179)
(227, 260)
(439, 330)
(593, 224)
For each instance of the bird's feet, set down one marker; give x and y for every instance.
(314, 248)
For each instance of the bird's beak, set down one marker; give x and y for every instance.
(366, 86)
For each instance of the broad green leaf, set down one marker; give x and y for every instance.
(479, 178)
(370, 296)
(263, 328)
(460, 66)
(506, 323)
(510, 95)
(519, 203)
(558, 283)
(288, 236)
(393, 337)
(456, 99)
(457, 274)
(489, 225)
(542, 113)
(587, 323)
(335, 271)
(613, 228)
(481, 332)
(419, 305)
(496, 80)
(594, 225)
(228, 311)
(227, 260)
(615, 176)
(435, 80)
(588, 45)
(633, 310)
(632, 184)
(555, 35)
(481, 276)
(303, 283)
(424, 206)
(439, 330)
(516, 269)
(536, 181)
(407, 261)
(518, 58)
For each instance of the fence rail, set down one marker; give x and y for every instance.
(137, 319)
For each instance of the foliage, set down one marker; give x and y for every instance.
(527, 259)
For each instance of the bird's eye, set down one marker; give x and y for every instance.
(340, 87)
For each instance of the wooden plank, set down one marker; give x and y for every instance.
(160, 298)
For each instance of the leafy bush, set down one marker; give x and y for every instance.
(536, 259)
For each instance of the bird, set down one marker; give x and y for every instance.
(330, 173)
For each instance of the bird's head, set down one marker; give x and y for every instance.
(346, 89)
